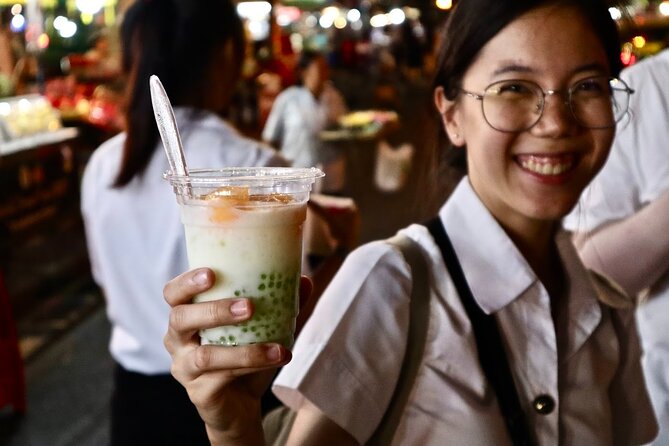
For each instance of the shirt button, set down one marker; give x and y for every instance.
(543, 404)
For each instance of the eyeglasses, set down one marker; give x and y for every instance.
(516, 105)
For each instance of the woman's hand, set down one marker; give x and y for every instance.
(224, 383)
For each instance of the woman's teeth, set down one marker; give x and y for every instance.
(546, 165)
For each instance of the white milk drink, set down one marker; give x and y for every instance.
(250, 234)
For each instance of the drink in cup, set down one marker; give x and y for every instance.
(246, 225)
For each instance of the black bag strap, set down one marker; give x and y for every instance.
(488, 342)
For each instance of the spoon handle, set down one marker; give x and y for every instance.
(167, 127)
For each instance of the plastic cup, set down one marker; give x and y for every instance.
(245, 223)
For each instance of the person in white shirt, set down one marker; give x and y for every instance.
(621, 221)
(528, 91)
(301, 112)
(130, 214)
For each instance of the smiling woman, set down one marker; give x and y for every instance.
(527, 91)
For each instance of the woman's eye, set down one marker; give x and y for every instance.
(513, 88)
(592, 86)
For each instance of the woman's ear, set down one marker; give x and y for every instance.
(449, 117)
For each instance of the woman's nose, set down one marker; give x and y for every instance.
(557, 118)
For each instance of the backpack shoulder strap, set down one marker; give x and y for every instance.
(419, 312)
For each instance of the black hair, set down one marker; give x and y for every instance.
(179, 41)
(307, 57)
(470, 26)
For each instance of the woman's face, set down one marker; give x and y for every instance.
(553, 47)
(315, 75)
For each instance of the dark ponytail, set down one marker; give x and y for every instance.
(179, 41)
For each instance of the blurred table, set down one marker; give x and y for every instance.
(356, 139)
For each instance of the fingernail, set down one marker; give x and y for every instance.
(273, 352)
(239, 308)
(200, 278)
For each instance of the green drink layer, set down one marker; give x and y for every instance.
(275, 302)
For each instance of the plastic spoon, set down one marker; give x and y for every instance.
(167, 126)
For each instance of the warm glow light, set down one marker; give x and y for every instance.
(639, 41)
(340, 22)
(17, 9)
(615, 13)
(43, 41)
(353, 15)
(285, 15)
(18, 23)
(326, 21)
(664, 8)
(24, 104)
(444, 4)
(296, 41)
(412, 13)
(331, 11)
(396, 16)
(254, 10)
(59, 22)
(89, 6)
(86, 18)
(379, 21)
(68, 30)
(258, 29)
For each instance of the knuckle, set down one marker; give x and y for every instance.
(200, 399)
(217, 311)
(168, 344)
(175, 370)
(203, 358)
(177, 318)
(166, 291)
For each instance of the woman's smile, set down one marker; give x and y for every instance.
(546, 165)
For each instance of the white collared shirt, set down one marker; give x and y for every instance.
(135, 237)
(294, 122)
(347, 358)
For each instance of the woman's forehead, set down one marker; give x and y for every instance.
(551, 40)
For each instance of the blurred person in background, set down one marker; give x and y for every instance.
(131, 217)
(301, 112)
(622, 221)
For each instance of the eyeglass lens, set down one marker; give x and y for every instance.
(516, 105)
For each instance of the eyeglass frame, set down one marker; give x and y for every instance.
(551, 92)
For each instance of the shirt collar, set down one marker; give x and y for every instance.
(482, 246)
(497, 273)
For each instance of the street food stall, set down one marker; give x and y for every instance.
(41, 235)
(357, 138)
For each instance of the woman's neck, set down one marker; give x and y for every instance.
(537, 244)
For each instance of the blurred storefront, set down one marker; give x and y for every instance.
(645, 32)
